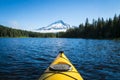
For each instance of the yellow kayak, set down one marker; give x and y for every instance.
(61, 69)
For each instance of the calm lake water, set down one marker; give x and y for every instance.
(27, 58)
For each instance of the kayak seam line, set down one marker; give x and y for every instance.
(67, 75)
(64, 58)
(59, 73)
(49, 76)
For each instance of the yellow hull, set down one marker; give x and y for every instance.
(71, 74)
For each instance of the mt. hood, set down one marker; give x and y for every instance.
(58, 26)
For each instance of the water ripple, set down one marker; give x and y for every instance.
(27, 58)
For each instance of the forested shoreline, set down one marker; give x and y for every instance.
(98, 29)
(10, 32)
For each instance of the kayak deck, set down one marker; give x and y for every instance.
(61, 69)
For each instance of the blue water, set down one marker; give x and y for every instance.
(27, 58)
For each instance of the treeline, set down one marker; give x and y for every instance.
(98, 29)
(10, 32)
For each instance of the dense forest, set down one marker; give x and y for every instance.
(98, 29)
(10, 32)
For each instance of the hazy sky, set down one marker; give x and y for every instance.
(33, 14)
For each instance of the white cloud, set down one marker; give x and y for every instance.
(14, 24)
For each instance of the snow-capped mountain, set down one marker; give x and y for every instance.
(58, 26)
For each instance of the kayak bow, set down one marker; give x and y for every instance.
(61, 69)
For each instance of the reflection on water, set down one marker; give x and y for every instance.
(27, 58)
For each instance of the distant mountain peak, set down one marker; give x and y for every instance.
(57, 26)
(59, 21)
